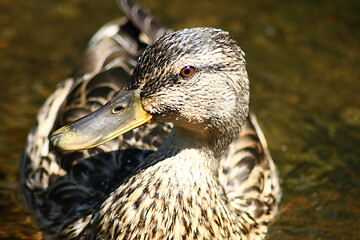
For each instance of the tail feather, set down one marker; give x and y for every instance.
(151, 29)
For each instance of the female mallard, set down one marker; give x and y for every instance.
(211, 178)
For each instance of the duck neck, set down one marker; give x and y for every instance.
(189, 151)
(212, 140)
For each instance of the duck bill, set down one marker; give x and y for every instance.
(120, 115)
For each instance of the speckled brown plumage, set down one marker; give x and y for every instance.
(208, 177)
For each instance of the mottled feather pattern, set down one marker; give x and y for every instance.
(105, 67)
(249, 177)
(110, 192)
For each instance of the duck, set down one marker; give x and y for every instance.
(151, 137)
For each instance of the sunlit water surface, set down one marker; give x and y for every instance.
(303, 61)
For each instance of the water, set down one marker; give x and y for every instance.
(303, 61)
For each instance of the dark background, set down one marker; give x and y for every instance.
(303, 61)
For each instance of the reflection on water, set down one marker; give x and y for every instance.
(303, 62)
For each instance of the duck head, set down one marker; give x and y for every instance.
(194, 78)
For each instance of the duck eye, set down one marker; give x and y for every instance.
(187, 71)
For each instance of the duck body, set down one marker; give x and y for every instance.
(201, 170)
